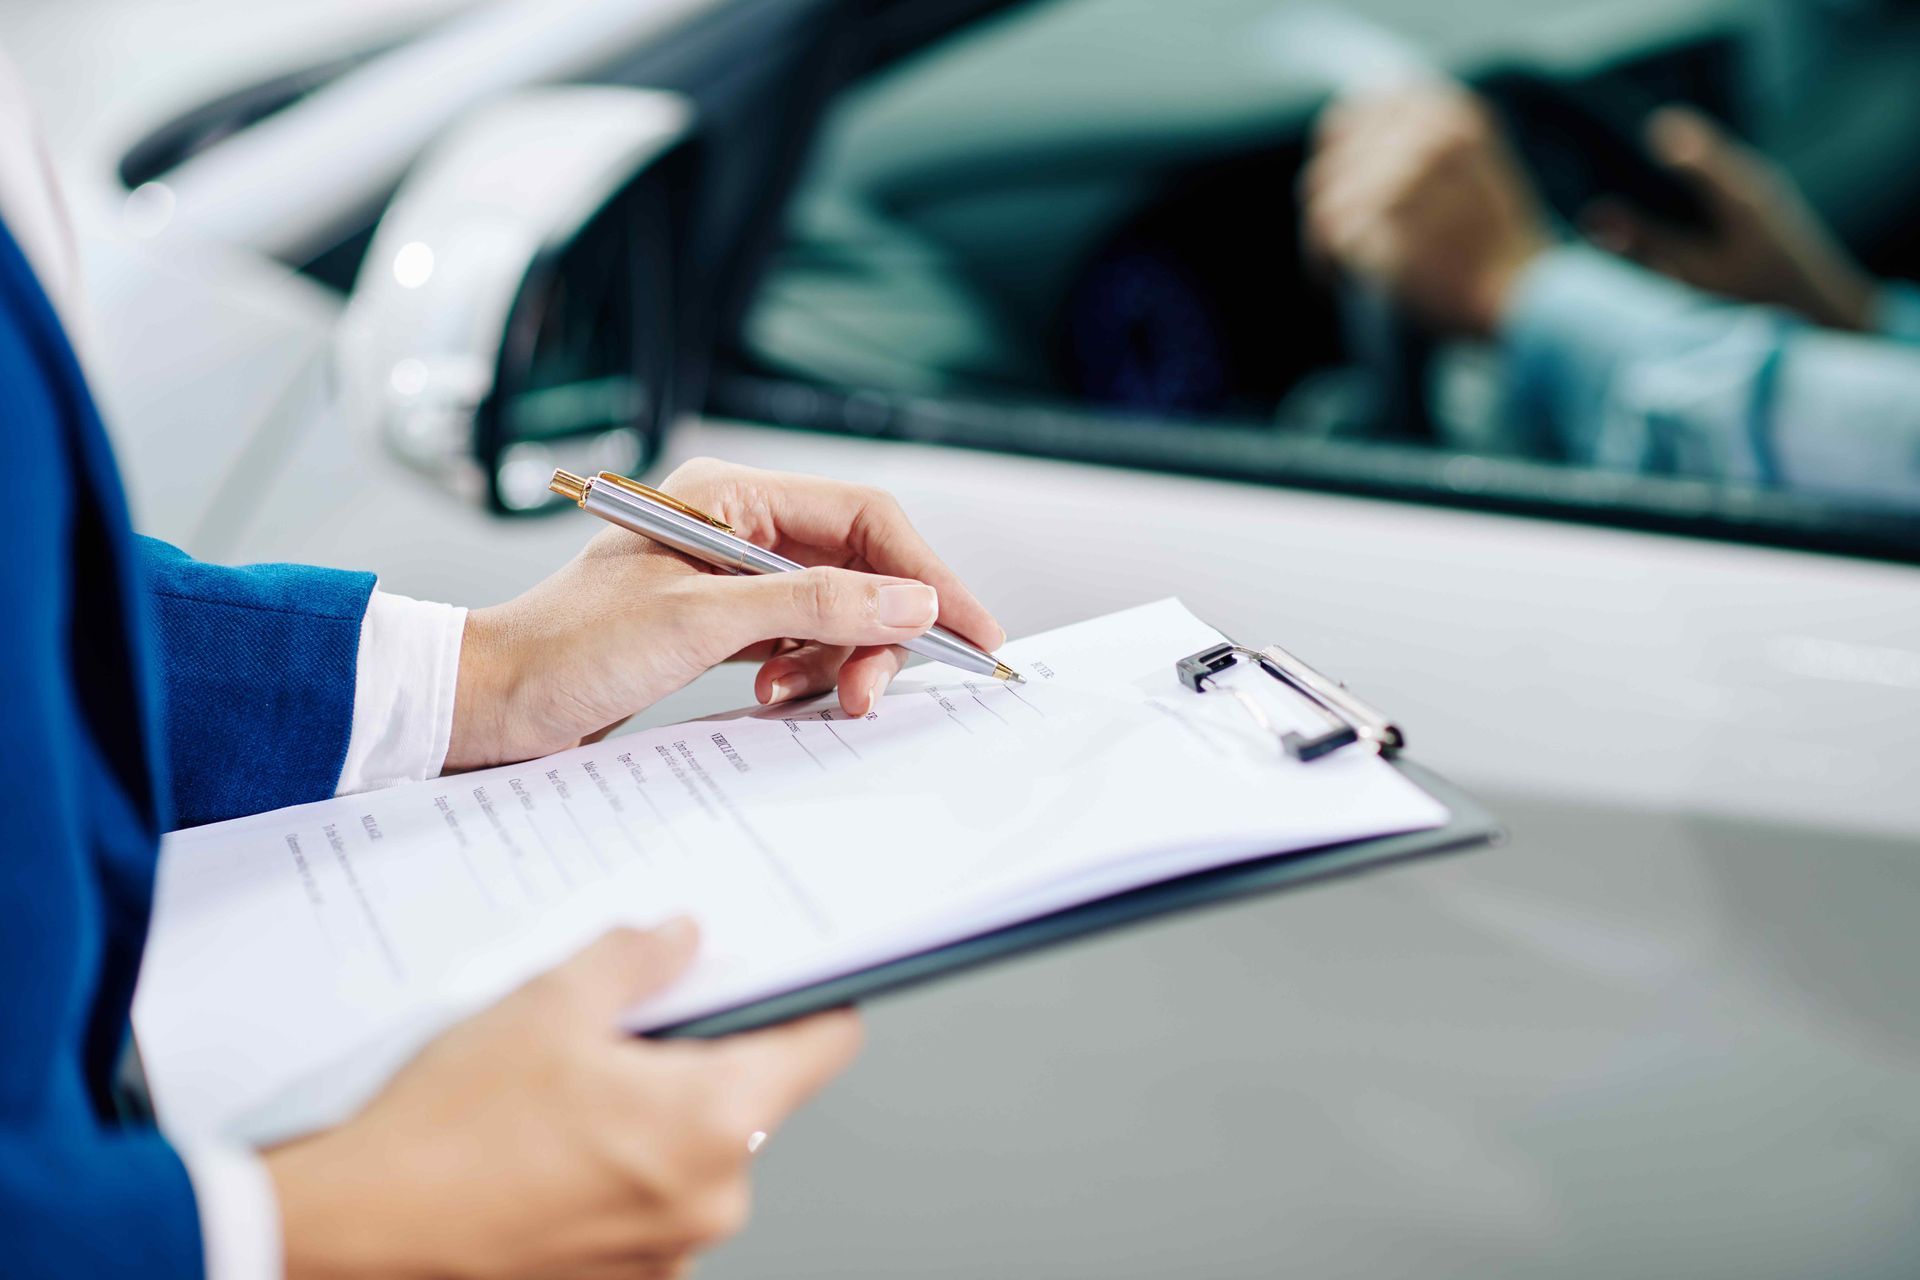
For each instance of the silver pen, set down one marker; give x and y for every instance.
(665, 519)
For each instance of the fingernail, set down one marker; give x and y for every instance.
(781, 690)
(908, 604)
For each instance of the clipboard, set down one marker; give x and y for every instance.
(1351, 725)
(323, 1075)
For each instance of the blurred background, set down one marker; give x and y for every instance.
(360, 274)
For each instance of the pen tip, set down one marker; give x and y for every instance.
(1007, 673)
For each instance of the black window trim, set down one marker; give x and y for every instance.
(1259, 454)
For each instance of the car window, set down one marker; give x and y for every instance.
(1072, 229)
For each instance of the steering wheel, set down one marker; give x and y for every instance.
(1199, 306)
(1579, 142)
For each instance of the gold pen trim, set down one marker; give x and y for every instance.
(569, 486)
(667, 500)
(574, 489)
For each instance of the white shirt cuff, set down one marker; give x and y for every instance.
(239, 1214)
(402, 692)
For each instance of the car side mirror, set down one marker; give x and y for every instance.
(515, 310)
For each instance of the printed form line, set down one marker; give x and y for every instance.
(794, 738)
(990, 711)
(837, 738)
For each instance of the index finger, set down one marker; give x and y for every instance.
(777, 1069)
(871, 524)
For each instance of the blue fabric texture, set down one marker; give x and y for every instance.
(1897, 312)
(79, 1195)
(1634, 372)
(1612, 366)
(259, 669)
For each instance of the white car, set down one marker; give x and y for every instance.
(1670, 1027)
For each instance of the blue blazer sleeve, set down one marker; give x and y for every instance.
(257, 669)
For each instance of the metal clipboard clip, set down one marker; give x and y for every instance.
(1350, 722)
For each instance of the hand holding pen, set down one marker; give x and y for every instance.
(630, 620)
(686, 528)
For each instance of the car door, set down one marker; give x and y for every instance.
(1591, 1050)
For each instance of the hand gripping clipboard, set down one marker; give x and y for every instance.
(1350, 725)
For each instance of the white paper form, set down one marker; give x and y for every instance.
(297, 957)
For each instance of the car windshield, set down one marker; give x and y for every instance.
(1081, 228)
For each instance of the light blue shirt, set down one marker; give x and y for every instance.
(1613, 366)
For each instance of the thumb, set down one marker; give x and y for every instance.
(619, 968)
(835, 606)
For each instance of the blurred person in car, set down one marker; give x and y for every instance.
(1756, 352)
(140, 689)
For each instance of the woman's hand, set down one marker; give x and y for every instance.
(628, 621)
(537, 1139)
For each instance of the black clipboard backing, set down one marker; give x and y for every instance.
(1469, 826)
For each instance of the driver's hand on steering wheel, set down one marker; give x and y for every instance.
(1417, 191)
(1767, 244)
